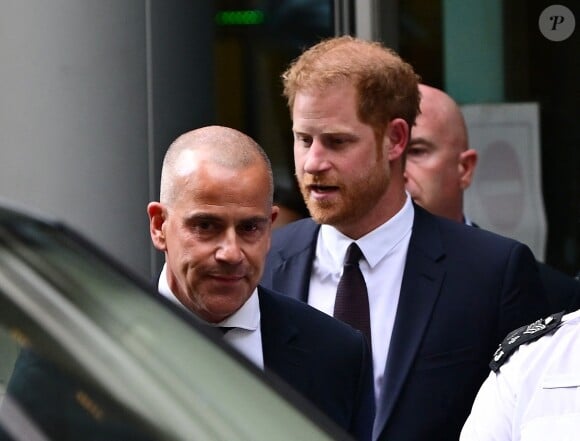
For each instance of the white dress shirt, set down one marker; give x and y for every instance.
(246, 336)
(385, 251)
(536, 393)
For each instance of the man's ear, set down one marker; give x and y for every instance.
(397, 135)
(157, 215)
(275, 211)
(467, 163)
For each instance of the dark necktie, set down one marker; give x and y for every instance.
(352, 300)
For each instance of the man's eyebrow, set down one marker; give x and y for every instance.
(330, 132)
(255, 219)
(201, 216)
(420, 140)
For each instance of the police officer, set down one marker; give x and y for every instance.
(533, 391)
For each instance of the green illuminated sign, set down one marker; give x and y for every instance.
(239, 18)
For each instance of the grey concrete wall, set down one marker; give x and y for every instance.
(81, 137)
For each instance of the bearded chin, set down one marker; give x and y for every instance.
(325, 211)
(321, 211)
(354, 202)
(333, 213)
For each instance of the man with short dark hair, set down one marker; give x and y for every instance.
(214, 222)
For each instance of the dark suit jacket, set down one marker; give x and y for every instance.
(463, 290)
(325, 360)
(562, 290)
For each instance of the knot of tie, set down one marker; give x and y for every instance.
(353, 254)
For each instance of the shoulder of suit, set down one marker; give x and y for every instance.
(523, 335)
(299, 224)
(302, 228)
(305, 316)
(287, 303)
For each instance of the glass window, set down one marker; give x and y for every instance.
(254, 43)
(88, 352)
(490, 52)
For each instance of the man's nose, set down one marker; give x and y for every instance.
(229, 249)
(316, 159)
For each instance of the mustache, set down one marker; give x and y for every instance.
(322, 181)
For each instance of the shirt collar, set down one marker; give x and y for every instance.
(375, 245)
(247, 317)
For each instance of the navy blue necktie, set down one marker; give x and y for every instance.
(352, 300)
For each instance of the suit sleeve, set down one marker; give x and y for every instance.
(364, 414)
(523, 297)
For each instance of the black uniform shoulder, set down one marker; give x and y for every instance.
(523, 335)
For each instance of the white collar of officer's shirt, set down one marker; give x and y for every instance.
(247, 317)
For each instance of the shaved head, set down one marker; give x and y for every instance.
(443, 112)
(440, 164)
(216, 144)
(214, 219)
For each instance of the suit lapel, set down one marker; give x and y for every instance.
(294, 265)
(420, 289)
(283, 355)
